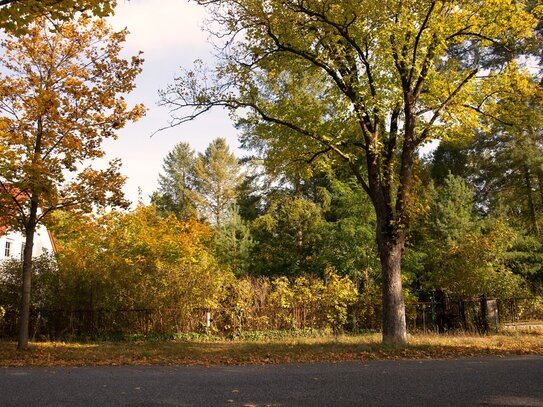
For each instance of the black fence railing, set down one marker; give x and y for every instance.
(469, 315)
(473, 315)
(63, 324)
(515, 310)
(450, 316)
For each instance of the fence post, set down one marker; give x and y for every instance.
(462, 306)
(484, 314)
(433, 310)
(493, 314)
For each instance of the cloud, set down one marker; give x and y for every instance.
(157, 26)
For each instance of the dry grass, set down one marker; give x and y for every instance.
(333, 348)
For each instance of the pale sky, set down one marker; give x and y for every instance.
(170, 35)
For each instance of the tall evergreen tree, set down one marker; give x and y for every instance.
(462, 254)
(217, 177)
(233, 242)
(176, 185)
(506, 157)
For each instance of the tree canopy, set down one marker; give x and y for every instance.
(17, 15)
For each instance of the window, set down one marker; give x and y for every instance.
(7, 251)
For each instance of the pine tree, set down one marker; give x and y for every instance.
(217, 177)
(233, 242)
(176, 185)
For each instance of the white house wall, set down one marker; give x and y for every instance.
(15, 241)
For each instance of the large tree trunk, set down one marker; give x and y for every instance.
(394, 325)
(30, 229)
(390, 241)
(24, 320)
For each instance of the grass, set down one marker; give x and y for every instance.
(284, 350)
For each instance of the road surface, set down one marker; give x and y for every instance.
(511, 381)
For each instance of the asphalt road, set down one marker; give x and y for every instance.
(514, 381)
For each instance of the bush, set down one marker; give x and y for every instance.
(45, 281)
(306, 302)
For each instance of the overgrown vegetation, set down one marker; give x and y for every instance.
(309, 266)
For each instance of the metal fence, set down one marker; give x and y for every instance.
(63, 324)
(472, 315)
(450, 316)
(515, 310)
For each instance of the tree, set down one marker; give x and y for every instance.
(366, 81)
(61, 97)
(450, 157)
(303, 226)
(503, 162)
(176, 186)
(16, 15)
(233, 243)
(508, 156)
(217, 176)
(349, 244)
(465, 256)
(452, 212)
(289, 236)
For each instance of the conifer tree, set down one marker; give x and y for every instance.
(217, 177)
(176, 185)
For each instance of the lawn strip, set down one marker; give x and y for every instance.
(292, 350)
